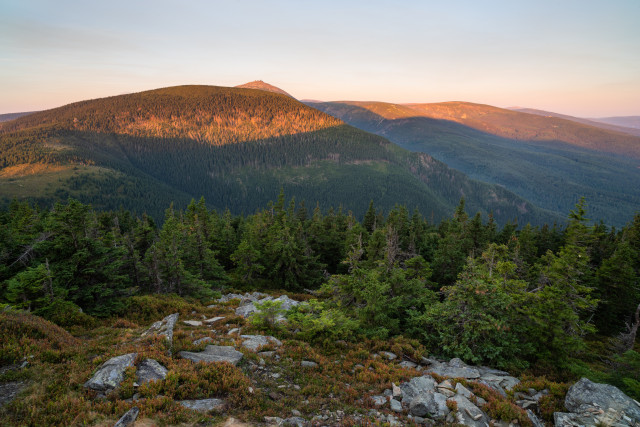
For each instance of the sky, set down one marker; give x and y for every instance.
(578, 57)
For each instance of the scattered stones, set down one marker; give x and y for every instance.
(111, 373)
(294, 421)
(308, 364)
(395, 391)
(203, 405)
(254, 342)
(150, 370)
(192, 322)
(469, 414)
(163, 327)
(406, 364)
(128, 418)
(214, 353)
(429, 403)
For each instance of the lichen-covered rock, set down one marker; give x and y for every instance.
(456, 370)
(150, 370)
(586, 394)
(214, 353)
(111, 373)
(192, 322)
(430, 404)
(203, 405)
(163, 327)
(128, 418)
(254, 342)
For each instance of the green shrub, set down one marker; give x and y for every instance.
(317, 320)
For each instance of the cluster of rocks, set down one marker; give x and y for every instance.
(248, 303)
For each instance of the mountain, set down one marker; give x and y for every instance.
(626, 121)
(260, 85)
(589, 122)
(547, 160)
(12, 116)
(236, 147)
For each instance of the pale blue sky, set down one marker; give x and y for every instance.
(577, 57)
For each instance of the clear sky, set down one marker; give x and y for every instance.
(578, 57)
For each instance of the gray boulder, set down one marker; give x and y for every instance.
(128, 418)
(379, 400)
(201, 340)
(308, 364)
(295, 421)
(214, 353)
(395, 405)
(417, 386)
(150, 370)
(254, 342)
(203, 405)
(111, 373)
(213, 320)
(163, 327)
(192, 322)
(430, 403)
(534, 419)
(586, 394)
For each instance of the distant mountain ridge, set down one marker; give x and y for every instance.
(260, 85)
(626, 121)
(590, 122)
(237, 147)
(548, 160)
(13, 116)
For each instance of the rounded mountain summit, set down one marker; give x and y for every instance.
(260, 85)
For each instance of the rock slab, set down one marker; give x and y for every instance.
(163, 327)
(150, 370)
(214, 353)
(203, 405)
(254, 342)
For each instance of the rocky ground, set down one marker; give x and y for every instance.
(272, 381)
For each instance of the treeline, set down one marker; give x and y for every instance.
(506, 297)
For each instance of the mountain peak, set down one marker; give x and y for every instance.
(260, 85)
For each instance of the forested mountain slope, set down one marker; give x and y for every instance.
(550, 161)
(236, 147)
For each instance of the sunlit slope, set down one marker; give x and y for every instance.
(237, 148)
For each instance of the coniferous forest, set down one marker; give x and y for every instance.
(547, 300)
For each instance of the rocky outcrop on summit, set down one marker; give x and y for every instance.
(260, 85)
(598, 404)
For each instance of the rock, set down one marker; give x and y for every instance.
(407, 364)
(416, 386)
(485, 371)
(163, 327)
(586, 394)
(469, 414)
(296, 413)
(308, 364)
(379, 400)
(150, 370)
(395, 390)
(509, 382)
(213, 320)
(395, 405)
(534, 420)
(111, 373)
(463, 391)
(233, 331)
(246, 310)
(201, 340)
(214, 353)
(455, 371)
(294, 421)
(128, 418)
(388, 355)
(254, 342)
(494, 385)
(10, 390)
(430, 403)
(192, 322)
(203, 405)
